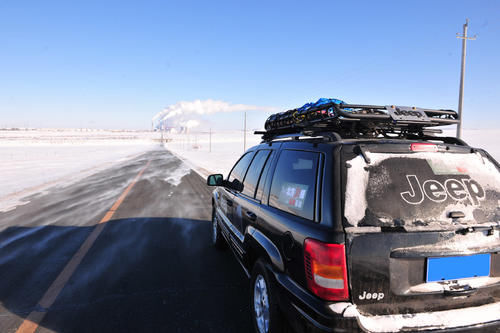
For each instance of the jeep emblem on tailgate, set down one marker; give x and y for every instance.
(374, 296)
(463, 189)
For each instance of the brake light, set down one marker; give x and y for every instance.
(326, 270)
(428, 147)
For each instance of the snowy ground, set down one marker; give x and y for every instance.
(226, 149)
(32, 161)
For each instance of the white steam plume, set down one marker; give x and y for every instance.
(185, 109)
(190, 123)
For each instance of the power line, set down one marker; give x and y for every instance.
(464, 39)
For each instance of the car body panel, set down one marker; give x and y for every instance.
(388, 264)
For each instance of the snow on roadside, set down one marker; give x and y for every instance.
(227, 147)
(34, 160)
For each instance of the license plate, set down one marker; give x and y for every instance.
(452, 268)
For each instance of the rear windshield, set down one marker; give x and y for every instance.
(420, 189)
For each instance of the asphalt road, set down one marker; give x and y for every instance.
(150, 268)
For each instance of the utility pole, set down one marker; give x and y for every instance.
(245, 133)
(464, 39)
(210, 141)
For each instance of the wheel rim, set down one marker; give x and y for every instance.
(261, 304)
(214, 229)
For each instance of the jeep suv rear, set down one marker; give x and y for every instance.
(343, 230)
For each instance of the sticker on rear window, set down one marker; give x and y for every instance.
(293, 195)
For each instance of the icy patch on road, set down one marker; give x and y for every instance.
(32, 161)
(175, 178)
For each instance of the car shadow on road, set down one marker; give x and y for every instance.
(141, 274)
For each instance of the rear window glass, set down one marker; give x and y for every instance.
(420, 189)
(294, 183)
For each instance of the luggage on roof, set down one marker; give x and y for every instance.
(354, 120)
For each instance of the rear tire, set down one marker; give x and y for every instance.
(218, 240)
(266, 315)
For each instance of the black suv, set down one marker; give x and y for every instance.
(357, 218)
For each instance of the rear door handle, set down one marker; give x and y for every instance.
(229, 202)
(251, 215)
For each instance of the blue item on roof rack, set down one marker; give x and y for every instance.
(320, 102)
(321, 109)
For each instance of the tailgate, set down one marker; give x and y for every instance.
(422, 231)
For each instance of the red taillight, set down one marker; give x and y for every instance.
(326, 270)
(429, 147)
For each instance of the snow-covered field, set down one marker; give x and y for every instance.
(31, 161)
(226, 149)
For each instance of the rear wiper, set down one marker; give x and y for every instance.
(362, 151)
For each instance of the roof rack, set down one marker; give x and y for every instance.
(359, 121)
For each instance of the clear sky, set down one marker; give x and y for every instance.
(115, 64)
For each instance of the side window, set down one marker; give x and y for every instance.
(261, 182)
(294, 183)
(254, 172)
(240, 168)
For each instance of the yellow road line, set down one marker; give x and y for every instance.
(30, 324)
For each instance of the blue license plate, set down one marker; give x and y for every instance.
(451, 268)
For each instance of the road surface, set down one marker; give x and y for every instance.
(125, 250)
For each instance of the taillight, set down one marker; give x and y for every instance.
(429, 147)
(326, 271)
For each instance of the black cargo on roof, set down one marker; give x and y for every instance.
(359, 121)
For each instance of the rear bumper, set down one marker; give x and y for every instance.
(439, 320)
(307, 313)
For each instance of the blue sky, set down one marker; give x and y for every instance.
(115, 64)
